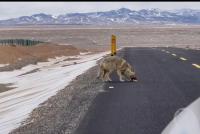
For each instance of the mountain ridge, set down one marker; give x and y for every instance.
(119, 16)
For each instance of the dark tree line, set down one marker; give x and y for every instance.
(20, 42)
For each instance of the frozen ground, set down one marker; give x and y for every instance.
(33, 88)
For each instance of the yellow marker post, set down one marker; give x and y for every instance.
(113, 45)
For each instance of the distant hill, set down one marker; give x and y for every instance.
(120, 16)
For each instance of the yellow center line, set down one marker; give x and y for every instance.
(174, 54)
(196, 65)
(183, 58)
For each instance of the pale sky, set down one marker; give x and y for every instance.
(16, 9)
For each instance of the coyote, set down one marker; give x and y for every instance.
(115, 63)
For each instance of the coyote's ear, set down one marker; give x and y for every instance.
(124, 66)
(131, 67)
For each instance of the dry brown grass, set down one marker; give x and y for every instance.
(10, 54)
(98, 37)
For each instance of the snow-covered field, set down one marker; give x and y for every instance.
(33, 88)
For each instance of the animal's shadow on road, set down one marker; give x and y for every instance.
(115, 79)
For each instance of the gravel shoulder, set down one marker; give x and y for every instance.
(62, 113)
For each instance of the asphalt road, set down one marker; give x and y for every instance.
(166, 83)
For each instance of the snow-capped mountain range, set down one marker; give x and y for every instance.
(120, 16)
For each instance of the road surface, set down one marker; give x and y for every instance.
(169, 79)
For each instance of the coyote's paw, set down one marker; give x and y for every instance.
(122, 80)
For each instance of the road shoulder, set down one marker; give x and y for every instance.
(63, 112)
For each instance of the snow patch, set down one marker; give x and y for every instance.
(84, 53)
(38, 18)
(32, 89)
(3, 65)
(55, 17)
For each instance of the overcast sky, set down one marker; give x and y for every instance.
(16, 9)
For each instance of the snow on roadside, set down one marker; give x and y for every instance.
(34, 88)
(84, 53)
(3, 65)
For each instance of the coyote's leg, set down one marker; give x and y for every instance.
(100, 73)
(104, 75)
(120, 75)
(108, 76)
